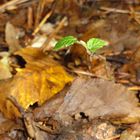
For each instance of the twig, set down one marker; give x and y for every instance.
(84, 73)
(42, 22)
(30, 17)
(39, 12)
(133, 14)
(16, 104)
(118, 10)
(113, 137)
(12, 4)
(40, 9)
(47, 129)
(61, 24)
(134, 88)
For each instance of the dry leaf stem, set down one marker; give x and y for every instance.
(11, 4)
(42, 22)
(40, 9)
(30, 17)
(118, 10)
(61, 24)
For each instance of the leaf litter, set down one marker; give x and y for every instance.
(32, 82)
(98, 98)
(91, 99)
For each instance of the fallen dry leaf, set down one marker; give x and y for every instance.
(39, 81)
(101, 68)
(11, 37)
(129, 135)
(98, 98)
(4, 66)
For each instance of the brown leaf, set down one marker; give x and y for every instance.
(8, 125)
(11, 37)
(98, 98)
(101, 68)
(39, 81)
(5, 137)
(50, 107)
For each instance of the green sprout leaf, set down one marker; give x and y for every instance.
(65, 42)
(94, 44)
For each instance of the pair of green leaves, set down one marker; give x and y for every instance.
(92, 44)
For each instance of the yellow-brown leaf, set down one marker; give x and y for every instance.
(39, 81)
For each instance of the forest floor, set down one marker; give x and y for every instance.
(69, 94)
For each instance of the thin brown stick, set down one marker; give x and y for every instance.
(61, 24)
(113, 137)
(83, 73)
(134, 88)
(42, 22)
(134, 16)
(39, 12)
(16, 104)
(45, 46)
(118, 10)
(30, 17)
(47, 129)
(12, 3)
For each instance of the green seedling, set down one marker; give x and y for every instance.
(92, 45)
